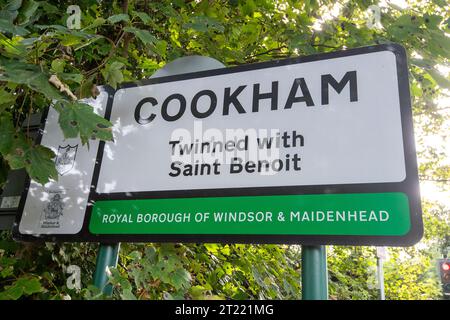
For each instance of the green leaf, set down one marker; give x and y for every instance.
(7, 132)
(69, 40)
(441, 3)
(145, 18)
(13, 48)
(79, 118)
(160, 48)
(85, 90)
(36, 159)
(11, 293)
(27, 11)
(13, 5)
(180, 279)
(442, 81)
(96, 23)
(16, 156)
(128, 295)
(204, 24)
(8, 27)
(23, 286)
(29, 285)
(118, 18)
(40, 166)
(145, 36)
(7, 99)
(74, 77)
(112, 73)
(57, 27)
(7, 271)
(10, 10)
(58, 65)
(29, 74)
(248, 7)
(49, 8)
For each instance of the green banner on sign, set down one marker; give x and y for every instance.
(325, 214)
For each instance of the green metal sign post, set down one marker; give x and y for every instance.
(108, 255)
(314, 273)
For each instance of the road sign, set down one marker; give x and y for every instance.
(381, 253)
(313, 150)
(58, 207)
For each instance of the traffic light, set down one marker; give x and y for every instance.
(444, 270)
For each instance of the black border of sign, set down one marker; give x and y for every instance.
(409, 186)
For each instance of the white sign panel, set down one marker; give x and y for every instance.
(58, 207)
(318, 123)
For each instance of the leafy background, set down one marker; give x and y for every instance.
(128, 40)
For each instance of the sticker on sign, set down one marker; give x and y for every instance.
(315, 150)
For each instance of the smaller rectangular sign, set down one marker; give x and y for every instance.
(10, 202)
(59, 207)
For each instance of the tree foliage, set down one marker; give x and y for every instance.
(129, 40)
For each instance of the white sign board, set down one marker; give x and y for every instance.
(338, 141)
(315, 149)
(59, 207)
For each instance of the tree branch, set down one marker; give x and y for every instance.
(325, 46)
(266, 52)
(434, 180)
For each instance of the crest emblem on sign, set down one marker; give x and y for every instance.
(53, 210)
(65, 159)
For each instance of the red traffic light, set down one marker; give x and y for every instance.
(446, 266)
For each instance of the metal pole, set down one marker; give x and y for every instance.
(314, 273)
(108, 255)
(381, 255)
(380, 277)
